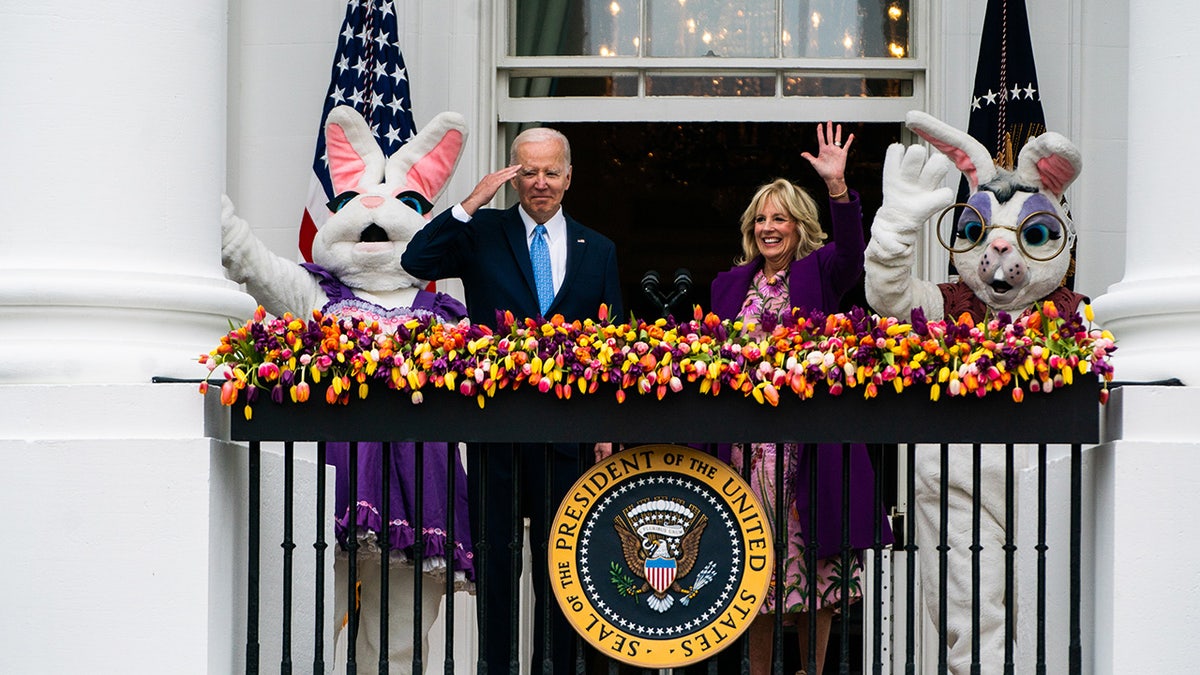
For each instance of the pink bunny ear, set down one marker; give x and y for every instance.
(426, 162)
(354, 157)
(1049, 160)
(968, 154)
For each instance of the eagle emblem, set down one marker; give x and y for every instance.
(660, 539)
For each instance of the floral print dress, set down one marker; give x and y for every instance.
(769, 296)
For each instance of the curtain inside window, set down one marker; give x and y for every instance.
(541, 30)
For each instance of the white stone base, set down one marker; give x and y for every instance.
(125, 534)
(1148, 532)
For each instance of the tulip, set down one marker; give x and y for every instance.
(228, 393)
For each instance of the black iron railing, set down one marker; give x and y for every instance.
(893, 423)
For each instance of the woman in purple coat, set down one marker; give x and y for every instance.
(787, 265)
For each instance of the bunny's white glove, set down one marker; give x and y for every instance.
(912, 194)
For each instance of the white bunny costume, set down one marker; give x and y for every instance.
(381, 202)
(1011, 249)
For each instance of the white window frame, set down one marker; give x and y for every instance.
(777, 108)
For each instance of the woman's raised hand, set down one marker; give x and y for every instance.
(830, 161)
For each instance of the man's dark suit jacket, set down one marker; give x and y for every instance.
(491, 256)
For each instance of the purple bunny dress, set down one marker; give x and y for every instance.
(402, 502)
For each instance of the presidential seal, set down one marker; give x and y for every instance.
(660, 556)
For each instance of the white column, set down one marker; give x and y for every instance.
(125, 550)
(1155, 310)
(113, 126)
(1145, 478)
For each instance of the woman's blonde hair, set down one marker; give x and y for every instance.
(798, 205)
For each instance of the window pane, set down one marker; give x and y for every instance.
(845, 28)
(711, 28)
(537, 87)
(710, 85)
(799, 85)
(576, 27)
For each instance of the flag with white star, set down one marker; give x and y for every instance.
(1006, 106)
(368, 74)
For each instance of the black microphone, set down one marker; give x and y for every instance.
(650, 284)
(650, 287)
(683, 284)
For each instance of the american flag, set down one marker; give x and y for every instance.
(1006, 105)
(369, 74)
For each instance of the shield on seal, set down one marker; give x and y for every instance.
(660, 572)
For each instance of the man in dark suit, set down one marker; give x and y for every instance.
(534, 260)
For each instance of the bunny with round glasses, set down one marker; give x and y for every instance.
(1011, 244)
(1010, 241)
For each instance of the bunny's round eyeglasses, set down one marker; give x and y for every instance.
(1041, 236)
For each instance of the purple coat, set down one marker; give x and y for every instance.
(818, 281)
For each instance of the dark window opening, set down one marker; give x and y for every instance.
(671, 194)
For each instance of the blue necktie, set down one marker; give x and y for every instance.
(539, 255)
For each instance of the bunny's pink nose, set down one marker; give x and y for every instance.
(371, 202)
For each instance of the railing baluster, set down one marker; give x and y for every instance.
(288, 545)
(910, 563)
(1041, 566)
(586, 458)
(483, 552)
(1076, 647)
(1010, 556)
(252, 525)
(451, 549)
(352, 562)
(747, 451)
(781, 534)
(810, 557)
(847, 565)
(418, 556)
(976, 497)
(383, 538)
(515, 539)
(319, 545)
(877, 465)
(943, 555)
(539, 556)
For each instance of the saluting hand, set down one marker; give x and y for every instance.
(488, 187)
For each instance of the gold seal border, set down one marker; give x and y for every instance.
(705, 641)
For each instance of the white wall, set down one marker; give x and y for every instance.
(1081, 49)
